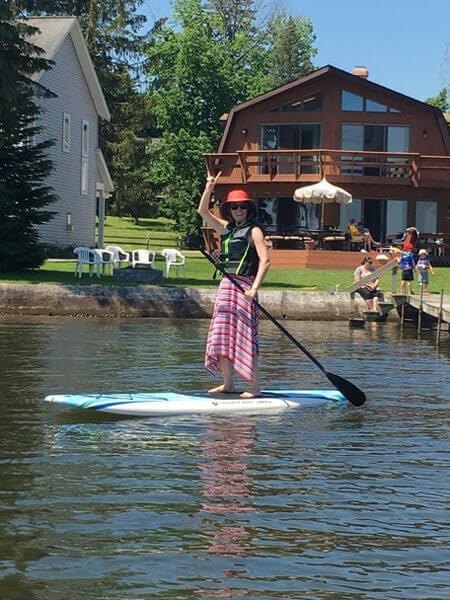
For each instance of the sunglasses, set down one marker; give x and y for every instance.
(242, 206)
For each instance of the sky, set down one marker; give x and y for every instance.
(405, 44)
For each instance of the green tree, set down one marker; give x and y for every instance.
(233, 16)
(213, 60)
(290, 48)
(192, 81)
(440, 101)
(135, 193)
(24, 165)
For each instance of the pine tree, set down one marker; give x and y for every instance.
(24, 165)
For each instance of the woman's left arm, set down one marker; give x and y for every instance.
(259, 243)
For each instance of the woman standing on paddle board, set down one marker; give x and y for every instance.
(232, 342)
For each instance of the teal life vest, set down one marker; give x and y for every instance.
(239, 255)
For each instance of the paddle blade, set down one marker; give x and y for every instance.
(353, 394)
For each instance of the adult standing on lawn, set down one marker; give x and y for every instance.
(232, 343)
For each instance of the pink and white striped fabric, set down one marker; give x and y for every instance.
(233, 332)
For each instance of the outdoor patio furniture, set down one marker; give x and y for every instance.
(85, 256)
(120, 256)
(143, 258)
(94, 258)
(174, 258)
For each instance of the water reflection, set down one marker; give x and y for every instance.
(226, 485)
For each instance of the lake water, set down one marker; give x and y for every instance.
(338, 504)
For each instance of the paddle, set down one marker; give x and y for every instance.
(353, 394)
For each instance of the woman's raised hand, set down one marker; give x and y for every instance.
(211, 180)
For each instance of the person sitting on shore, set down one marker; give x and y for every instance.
(368, 238)
(352, 229)
(370, 291)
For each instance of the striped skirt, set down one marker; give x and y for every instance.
(233, 332)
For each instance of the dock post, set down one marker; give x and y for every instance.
(394, 285)
(438, 332)
(419, 314)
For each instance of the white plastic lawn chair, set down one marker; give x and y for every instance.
(104, 259)
(85, 256)
(119, 255)
(174, 258)
(143, 257)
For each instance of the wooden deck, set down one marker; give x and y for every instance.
(430, 305)
(315, 259)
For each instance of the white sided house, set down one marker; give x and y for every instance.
(80, 175)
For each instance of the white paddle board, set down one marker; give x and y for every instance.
(172, 403)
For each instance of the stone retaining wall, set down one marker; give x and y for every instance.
(134, 301)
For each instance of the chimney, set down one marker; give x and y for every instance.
(360, 72)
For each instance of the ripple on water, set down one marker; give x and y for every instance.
(341, 503)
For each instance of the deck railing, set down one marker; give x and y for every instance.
(258, 166)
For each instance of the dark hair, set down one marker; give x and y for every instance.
(225, 210)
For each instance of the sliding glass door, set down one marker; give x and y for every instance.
(290, 136)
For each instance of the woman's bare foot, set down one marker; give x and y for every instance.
(250, 395)
(220, 389)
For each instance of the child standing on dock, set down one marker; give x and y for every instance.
(406, 261)
(424, 268)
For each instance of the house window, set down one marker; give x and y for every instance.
(375, 138)
(356, 103)
(351, 101)
(372, 106)
(66, 133)
(290, 136)
(349, 211)
(85, 139)
(426, 216)
(396, 217)
(310, 103)
(84, 176)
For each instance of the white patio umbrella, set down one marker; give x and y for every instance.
(322, 193)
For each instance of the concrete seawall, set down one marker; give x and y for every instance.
(134, 301)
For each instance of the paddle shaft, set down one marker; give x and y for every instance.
(348, 389)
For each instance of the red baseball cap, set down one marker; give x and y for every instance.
(238, 195)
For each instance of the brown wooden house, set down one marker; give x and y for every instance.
(391, 152)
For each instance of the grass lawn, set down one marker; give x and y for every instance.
(155, 234)
(200, 274)
(159, 234)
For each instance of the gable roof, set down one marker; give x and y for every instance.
(317, 75)
(53, 32)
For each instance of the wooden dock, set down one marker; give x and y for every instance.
(431, 305)
(429, 310)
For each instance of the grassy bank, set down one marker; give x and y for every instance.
(199, 273)
(159, 233)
